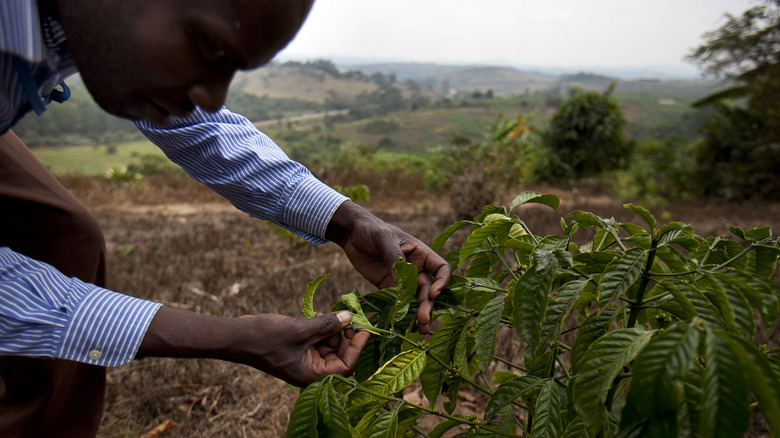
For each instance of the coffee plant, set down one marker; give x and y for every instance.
(638, 331)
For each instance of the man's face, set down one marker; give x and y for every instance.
(150, 60)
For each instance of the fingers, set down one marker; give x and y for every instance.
(325, 326)
(343, 360)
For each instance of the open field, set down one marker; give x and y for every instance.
(94, 159)
(174, 241)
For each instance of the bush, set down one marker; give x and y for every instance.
(586, 134)
(641, 331)
(472, 174)
(658, 169)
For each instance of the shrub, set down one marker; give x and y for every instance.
(639, 331)
(586, 133)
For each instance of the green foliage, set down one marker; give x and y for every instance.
(380, 126)
(741, 150)
(661, 320)
(658, 170)
(122, 175)
(358, 193)
(586, 135)
(472, 174)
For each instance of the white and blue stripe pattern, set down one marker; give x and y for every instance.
(45, 314)
(226, 152)
(29, 50)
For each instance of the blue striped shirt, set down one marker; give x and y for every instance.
(45, 314)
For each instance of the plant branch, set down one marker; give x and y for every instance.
(637, 304)
(427, 410)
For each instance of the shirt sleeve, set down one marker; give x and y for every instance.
(46, 314)
(228, 153)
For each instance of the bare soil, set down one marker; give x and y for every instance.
(172, 240)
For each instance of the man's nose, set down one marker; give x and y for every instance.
(211, 94)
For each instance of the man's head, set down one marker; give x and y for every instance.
(143, 59)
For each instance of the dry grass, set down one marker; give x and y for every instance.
(172, 240)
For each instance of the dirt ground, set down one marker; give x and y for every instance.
(171, 240)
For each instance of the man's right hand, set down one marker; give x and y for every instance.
(297, 351)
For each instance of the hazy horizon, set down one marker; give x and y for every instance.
(600, 36)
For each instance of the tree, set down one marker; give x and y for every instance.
(741, 149)
(586, 135)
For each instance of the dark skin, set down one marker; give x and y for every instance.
(165, 57)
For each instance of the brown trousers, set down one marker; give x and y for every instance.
(42, 220)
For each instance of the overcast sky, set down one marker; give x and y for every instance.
(521, 33)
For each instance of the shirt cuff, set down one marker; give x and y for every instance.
(311, 207)
(106, 327)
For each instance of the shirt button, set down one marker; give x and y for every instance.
(95, 354)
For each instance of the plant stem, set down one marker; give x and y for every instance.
(637, 304)
(506, 362)
(506, 265)
(427, 410)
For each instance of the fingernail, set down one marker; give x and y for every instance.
(344, 316)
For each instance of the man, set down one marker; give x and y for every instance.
(167, 65)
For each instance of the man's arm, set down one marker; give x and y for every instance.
(46, 314)
(373, 246)
(227, 153)
(297, 351)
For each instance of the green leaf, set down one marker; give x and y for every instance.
(594, 327)
(657, 387)
(503, 421)
(359, 320)
(587, 219)
(644, 213)
(575, 429)
(762, 260)
(547, 419)
(763, 294)
(734, 309)
(620, 275)
(384, 426)
(397, 373)
(486, 331)
(368, 416)
(686, 310)
(558, 309)
(704, 308)
(743, 314)
(600, 365)
(443, 237)
(443, 428)
(464, 348)
(671, 257)
(762, 382)
(441, 344)
(497, 225)
(737, 231)
(510, 391)
(407, 420)
(406, 277)
(529, 302)
(481, 264)
(756, 234)
(333, 416)
(724, 405)
(453, 391)
(537, 198)
(308, 297)
(370, 359)
(304, 415)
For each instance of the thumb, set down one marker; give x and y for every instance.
(328, 325)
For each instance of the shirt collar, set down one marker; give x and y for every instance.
(20, 30)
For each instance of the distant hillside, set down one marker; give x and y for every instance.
(294, 81)
(502, 80)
